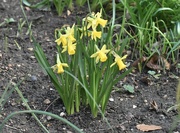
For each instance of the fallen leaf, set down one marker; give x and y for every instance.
(68, 12)
(27, 8)
(157, 62)
(166, 63)
(152, 63)
(146, 128)
(154, 105)
(139, 61)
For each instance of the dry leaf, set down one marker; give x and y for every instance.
(145, 128)
(68, 12)
(139, 61)
(166, 63)
(157, 61)
(154, 105)
(27, 8)
(152, 63)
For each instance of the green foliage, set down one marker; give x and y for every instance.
(129, 88)
(151, 26)
(90, 61)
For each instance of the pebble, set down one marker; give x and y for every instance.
(18, 65)
(30, 49)
(49, 118)
(47, 101)
(111, 99)
(121, 99)
(145, 101)
(51, 89)
(165, 96)
(162, 116)
(33, 78)
(32, 57)
(131, 96)
(62, 114)
(134, 106)
(13, 103)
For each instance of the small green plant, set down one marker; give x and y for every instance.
(149, 28)
(87, 64)
(7, 21)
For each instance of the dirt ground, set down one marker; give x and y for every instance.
(124, 112)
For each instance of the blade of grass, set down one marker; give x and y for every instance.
(43, 113)
(28, 107)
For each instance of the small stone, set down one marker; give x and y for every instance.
(162, 116)
(32, 57)
(62, 114)
(47, 101)
(33, 78)
(49, 118)
(165, 96)
(9, 65)
(134, 106)
(111, 99)
(145, 101)
(123, 127)
(121, 99)
(13, 103)
(30, 49)
(131, 96)
(51, 89)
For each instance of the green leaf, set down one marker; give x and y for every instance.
(163, 9)
(129, 88)
(151, 72)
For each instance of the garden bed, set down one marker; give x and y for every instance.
(124, 111)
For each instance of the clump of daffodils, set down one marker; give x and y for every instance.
(85, 57)
(90, 28)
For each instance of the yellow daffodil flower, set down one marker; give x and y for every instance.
(95, 34)
(100, 54)
(62, 39)
(70, 31)
(59, 66)
(94, 20)
(65, 37)
(99, 20)
(118, 61)
(70, 48)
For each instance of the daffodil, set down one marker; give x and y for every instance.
(118, 61)
(94, 20)
(69, 35)
(100, 21)
(62, 39)
(70, 31)
(95, 34)
(100, 54)
(59, 66)
(70, 48)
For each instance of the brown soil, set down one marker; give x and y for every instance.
(123, 114)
